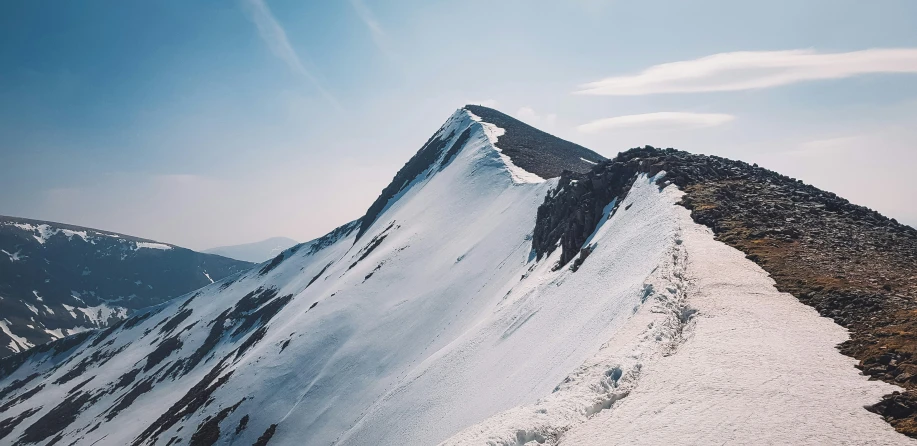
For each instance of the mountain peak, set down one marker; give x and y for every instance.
(536, 151)
(530, 155)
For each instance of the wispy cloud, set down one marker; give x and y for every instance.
(748, 70)
(380, 38)
(658, 119)
(273, 34)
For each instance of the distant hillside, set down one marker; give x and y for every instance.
(254, 252)
(58, 279)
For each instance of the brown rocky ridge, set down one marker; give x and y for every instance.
(850, 263)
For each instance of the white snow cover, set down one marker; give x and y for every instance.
(719, 356)
(449, 329)
(17, 343)
(56, 333)
(42, 232)
(31, 307)
(150, 245)
(70, 309)
(81, 234)
(100, 314)
(762, 366)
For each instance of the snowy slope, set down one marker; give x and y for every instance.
(716, 355)
(430, 320)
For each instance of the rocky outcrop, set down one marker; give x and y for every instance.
(848, 262)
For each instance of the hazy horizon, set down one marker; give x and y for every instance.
(208, 124)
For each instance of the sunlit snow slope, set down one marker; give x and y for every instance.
(428, 320)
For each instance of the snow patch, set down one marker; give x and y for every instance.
(100, 314)
(17, 343)
(81, 234)
(31, 307)
(70, 310)
(13, 257)
(149, 245)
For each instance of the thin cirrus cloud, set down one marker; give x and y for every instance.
(747, 70)
(670, 120)
(380, 38)
(273, 34)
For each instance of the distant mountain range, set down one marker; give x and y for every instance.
(254, 252)
(58, 279)
(507, 288)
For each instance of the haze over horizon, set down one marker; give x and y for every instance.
(208, 124)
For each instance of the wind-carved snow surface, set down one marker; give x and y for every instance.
(716, 356)
(438, 324)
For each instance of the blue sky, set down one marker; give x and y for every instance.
(205, 123)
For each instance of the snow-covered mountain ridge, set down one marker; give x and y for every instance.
(58, 279)
(444, 315)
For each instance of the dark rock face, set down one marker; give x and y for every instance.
(573, 210)
(266, 436)
(848, 262)
(7, 425)
(535, 151)
(58, 418)
(58, 277)
(328, 239)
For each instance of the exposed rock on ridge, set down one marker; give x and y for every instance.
(848, 262)
(535, 151)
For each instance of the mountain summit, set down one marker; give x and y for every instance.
(528, 154)
(511, 288)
